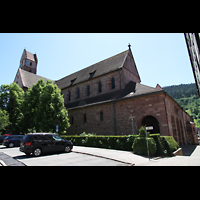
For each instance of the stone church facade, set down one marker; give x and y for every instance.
(107, 98)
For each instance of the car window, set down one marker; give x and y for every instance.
(43, 137)
(27, 138)
(57, 138)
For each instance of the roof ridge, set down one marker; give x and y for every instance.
(150, 87)
(95, 64)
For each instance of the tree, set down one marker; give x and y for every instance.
(11, 97)
(43, 108)
(4, 119)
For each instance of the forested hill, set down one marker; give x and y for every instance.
(180, 91)
(186, 96)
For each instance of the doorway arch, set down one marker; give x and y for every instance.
(151, 121)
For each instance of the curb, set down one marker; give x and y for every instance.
(130, 164)
(2, 163)
(6, 160)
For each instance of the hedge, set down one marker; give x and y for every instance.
(100, 141)
(169, 144)
(140, 146)
(164, 144)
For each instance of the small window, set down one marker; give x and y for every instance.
(88, 90)
(72, 120)
(100, 88)
(113, 82)
(92, 74)
(101, 116)
(78, 93)
(72, 81)
(85, 119)
(69, 96)
(30, 63)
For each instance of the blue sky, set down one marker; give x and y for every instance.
(160, 57)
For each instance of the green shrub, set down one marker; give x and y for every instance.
(140, 146)
(127, 142)
(169, 144)
(110, 142)
(142, 132)
(160, 146)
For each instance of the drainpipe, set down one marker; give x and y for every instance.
(114, 113)
(166, 113)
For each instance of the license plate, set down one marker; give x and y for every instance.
(22, 146)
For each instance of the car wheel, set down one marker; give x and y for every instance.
(37, 152)
(67, 149)
(11, 145)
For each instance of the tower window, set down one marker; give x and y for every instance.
(113, 82)
(100, 88)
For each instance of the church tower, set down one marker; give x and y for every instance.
(29, 62)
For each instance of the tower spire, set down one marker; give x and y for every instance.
(129, 46)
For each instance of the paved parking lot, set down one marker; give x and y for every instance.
(59, 159)
(88, 156)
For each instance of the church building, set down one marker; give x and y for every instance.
(107, 98)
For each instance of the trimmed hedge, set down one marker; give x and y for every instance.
(169, 144)
(140, 146)
(164, 144)
(99, 141)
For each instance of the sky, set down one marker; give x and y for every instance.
(160, 57)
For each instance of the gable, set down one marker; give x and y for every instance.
(27, 79)
(130, 65)
(18, 79)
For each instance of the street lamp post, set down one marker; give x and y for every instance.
(132, 117)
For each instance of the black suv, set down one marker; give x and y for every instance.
(38, 143)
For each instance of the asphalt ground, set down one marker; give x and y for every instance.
(87, 156)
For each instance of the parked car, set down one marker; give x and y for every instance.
(2, 137)
(13, 140)
(39, 143)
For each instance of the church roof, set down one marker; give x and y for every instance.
(103, 67)
(131, 90)
(28, 78)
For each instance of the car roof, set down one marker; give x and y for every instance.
(41, 134)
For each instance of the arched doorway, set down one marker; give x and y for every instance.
(151, 121)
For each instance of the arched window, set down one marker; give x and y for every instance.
(113, 82)
(100, 88)
(84, 118)
(78, 93)
(101, 116)
(69, 96)
(88, 90)
(72, 120)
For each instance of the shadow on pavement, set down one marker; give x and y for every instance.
(188, 149)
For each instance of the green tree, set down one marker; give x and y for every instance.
(43, 108)
(16, 96)
(4, 119)
(11, 97)
(29, 119)
(4, 96)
